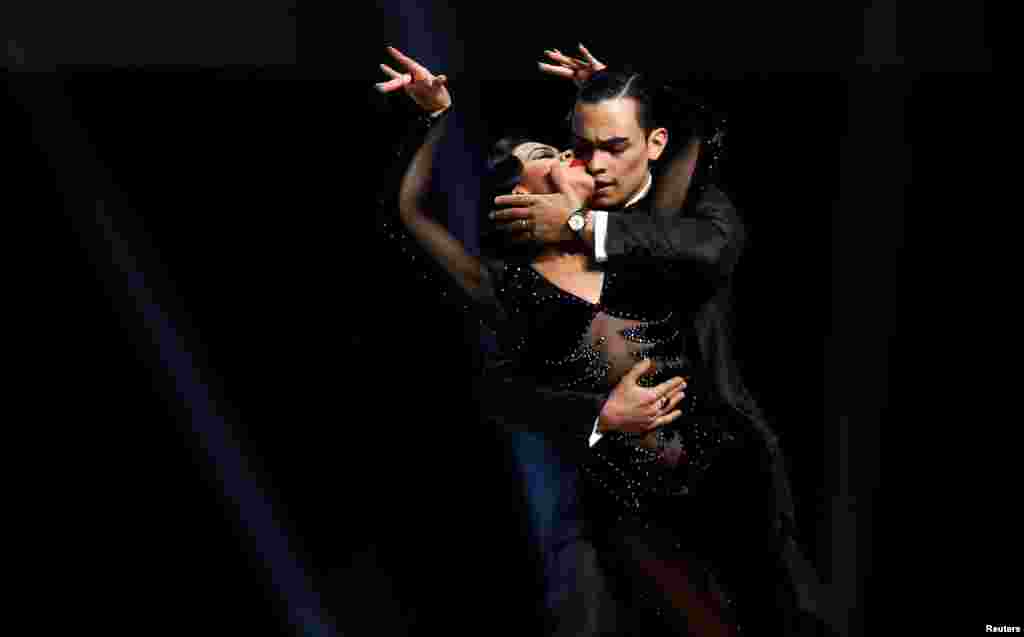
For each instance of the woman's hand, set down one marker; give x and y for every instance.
(429, 91)
(575, 69)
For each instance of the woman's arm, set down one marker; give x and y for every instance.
(434, 238)
(430, 93)
(674, 183)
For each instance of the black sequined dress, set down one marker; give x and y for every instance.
(696, 497)
(634, 489)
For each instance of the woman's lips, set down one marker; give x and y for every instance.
(577, 162)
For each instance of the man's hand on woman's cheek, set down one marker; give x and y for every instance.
(541, 218)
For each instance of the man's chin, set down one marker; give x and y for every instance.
(605, 198)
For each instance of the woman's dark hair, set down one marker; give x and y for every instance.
(504, 171)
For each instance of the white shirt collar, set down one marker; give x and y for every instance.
(643, 191)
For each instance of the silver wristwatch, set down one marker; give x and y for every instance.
(577, 221)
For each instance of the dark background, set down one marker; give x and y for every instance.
(233, 152)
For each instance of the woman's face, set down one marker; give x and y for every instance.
(538, 160)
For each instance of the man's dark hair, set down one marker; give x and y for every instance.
(610, 85)
(659, 104)
(671, 105)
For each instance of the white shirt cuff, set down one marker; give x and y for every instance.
(600, 232)
(596, 435)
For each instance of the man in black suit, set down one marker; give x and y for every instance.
(618, 134)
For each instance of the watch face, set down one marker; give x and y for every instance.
(576, 222)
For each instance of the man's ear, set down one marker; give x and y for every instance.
(656, 143)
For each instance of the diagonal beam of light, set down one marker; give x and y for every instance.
(236, 480)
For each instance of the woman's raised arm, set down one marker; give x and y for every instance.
(431, 94)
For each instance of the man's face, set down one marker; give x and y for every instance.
(607, 137)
